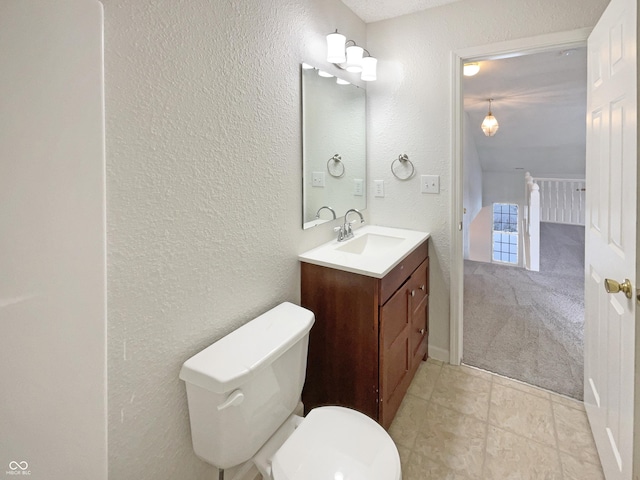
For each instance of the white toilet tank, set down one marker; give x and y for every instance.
(244, 386)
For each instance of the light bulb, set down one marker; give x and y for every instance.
(369, 69)
(354, 59)
(470, 69)
(335, 47)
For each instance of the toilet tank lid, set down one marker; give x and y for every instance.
(227, 363)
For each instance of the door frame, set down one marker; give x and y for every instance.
(495, 51)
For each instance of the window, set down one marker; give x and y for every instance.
(505, 233)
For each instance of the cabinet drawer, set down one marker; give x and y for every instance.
(396, 277)
(418, 330)
(418, 286)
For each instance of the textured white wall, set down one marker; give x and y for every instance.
(204, 197)
(480, 236)
(53, 383)
(410, 110)
(502, 187)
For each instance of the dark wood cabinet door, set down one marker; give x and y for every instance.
(342, 362)
(395, 354)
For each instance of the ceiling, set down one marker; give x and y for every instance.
(540, 103)
(374, 10)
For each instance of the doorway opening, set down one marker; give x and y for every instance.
(502, 192)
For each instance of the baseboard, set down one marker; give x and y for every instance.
(439, 354)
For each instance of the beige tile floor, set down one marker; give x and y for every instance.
(461, 423)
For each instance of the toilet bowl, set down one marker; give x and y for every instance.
(242, 392)
(337, 443)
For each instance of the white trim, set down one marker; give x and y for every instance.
(511, 48)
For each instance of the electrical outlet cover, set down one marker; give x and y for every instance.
(378, 186)
(358, 187)
(317, 179)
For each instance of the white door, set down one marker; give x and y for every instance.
(611, 235)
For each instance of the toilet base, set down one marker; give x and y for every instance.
(262, 459)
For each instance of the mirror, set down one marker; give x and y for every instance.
(333, 148)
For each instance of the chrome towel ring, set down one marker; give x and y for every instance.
(400, 165)
(335, 167)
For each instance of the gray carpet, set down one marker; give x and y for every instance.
(529, 325)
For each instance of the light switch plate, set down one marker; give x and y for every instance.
(430, 183)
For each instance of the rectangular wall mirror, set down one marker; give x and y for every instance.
(334, 148)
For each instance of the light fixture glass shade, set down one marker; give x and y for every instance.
(335, 47)
(490, 125)
(369, 65)
(470, 69)
(354, 59)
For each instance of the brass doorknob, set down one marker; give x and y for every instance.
(611, 286)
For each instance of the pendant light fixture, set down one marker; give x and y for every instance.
(490, 124)
(347, 55)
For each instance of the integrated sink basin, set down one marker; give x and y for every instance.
(373, 250)
(370, 244)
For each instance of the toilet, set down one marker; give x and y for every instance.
(243, 391)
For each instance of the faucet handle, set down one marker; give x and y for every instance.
(348, 233)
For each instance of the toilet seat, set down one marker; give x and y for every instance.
(337, 443)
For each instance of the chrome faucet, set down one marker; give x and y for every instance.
(345, 232)
(328, 208)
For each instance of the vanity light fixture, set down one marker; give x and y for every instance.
(490, 124)
(470, 69)
(347, 55)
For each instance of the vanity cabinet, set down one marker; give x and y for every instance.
(369, 336)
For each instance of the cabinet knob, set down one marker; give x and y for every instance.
(413, 293)
(422, 330)
(423, 288)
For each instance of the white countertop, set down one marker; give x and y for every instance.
(376, 264)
